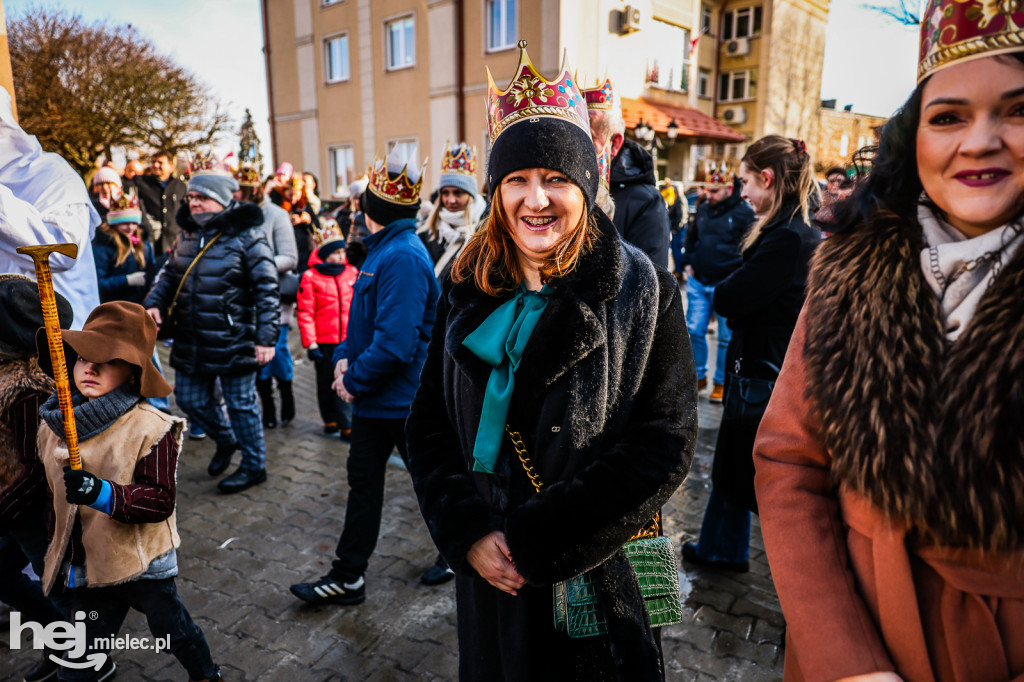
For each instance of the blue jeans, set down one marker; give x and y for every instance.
(677, 249)
(725, 531)
(699, 306)
(281, 366)
(195, 395)
(159, 403)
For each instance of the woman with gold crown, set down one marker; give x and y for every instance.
(453, 219)
(890, 463)
(556, 411)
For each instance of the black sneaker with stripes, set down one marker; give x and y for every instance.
(329, 591)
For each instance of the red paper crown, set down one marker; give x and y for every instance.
(327, 232)
(957, 30)
(248, 176)
(602, 97)
(463, 161)
(530, 97)
(397, 191)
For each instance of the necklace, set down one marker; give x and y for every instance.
(993, 256)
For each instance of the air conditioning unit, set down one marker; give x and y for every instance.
(738, 47)
(629, 19)
(734, 115)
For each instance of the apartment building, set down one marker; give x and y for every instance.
(352, 78)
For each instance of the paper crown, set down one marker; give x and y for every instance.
(462, 161)
(207, 163)
(958, 30)
(602, 97)
(530, 97)
(399, 190)
(248, 176)
(604, 167)
(124, 209)
(327, 232)
(717, 175)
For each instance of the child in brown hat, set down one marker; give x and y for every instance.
(23, 504)
(114, 540)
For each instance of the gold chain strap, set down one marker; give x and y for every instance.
(651, 530)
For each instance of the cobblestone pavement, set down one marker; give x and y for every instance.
(240, 553)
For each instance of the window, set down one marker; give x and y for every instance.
(669, 56)
(325, 3)
(336, 59)
(400, 35)
(737, 85)
(406, 150)
(705, 19)
(704, 83)
(844, 145)
(343, 164)
(501, 24)
(741, 23)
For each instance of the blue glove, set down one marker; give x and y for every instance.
(81, 487)
(315, 354)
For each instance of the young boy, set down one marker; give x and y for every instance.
(23, 500)
(114, 539)
(325, 296)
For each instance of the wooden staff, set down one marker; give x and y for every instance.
(41, 257)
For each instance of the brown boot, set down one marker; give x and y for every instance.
(717, 393)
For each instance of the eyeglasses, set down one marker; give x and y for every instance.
(195, 197)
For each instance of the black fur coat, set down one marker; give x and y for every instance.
(605, 399)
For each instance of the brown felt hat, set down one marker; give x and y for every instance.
(118, 330)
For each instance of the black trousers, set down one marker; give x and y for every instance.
(165, 613)
(373, 440)
(332, 408)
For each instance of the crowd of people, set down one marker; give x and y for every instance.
(526, 350)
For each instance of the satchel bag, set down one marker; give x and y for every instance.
(170, 323)
(288, 284)
(576, 603)
(746, 399)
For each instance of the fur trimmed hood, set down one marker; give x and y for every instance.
(233, 220)
(928, 430)
(17, 377)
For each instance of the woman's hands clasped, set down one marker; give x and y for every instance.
(492, 560)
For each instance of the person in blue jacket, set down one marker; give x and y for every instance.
(377, 367)
(125, 266)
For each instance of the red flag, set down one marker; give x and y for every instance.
(693, 43)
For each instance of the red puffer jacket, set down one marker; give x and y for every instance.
(324, 302)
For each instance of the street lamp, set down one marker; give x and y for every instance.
(644, 132)
(672, 131)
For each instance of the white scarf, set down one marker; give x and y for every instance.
(960, 269)
(454, 230)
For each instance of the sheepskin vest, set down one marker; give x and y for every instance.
(17, 378)
(929, 431)
(115, 552)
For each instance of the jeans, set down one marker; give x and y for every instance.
(725, 531)
(159, 403)
(167, 617)
(373, 439)
(699, 299)
(677, 249)
(195, 395)
(332, 408)
(22, 545)
(281, 366)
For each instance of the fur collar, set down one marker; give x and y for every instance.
(231, 221)
(17, 377)
(928, 430)
(573, 306)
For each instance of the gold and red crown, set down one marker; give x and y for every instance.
(248, 175)
(327, 232)
(602, 97)
(463, 161)
(530, 97)
(717, 175)
(207, 163)
(604, 167)
(957, 30)
(128, 201)
(399, 190)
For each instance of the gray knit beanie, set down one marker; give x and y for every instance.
(214, 186)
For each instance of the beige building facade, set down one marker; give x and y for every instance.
(841, 133)
(349, 79)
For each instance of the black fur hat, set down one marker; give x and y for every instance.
(21, 315)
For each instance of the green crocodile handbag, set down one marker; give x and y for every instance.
(576, 604)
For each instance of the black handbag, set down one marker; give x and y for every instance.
(288, 284)
(747, 392)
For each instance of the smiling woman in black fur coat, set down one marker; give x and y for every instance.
(552, 325)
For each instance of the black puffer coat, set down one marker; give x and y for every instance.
(229, 303)
(712, 244)
(605, 399)
(640, 214)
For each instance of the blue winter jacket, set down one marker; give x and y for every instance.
(389, 323)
